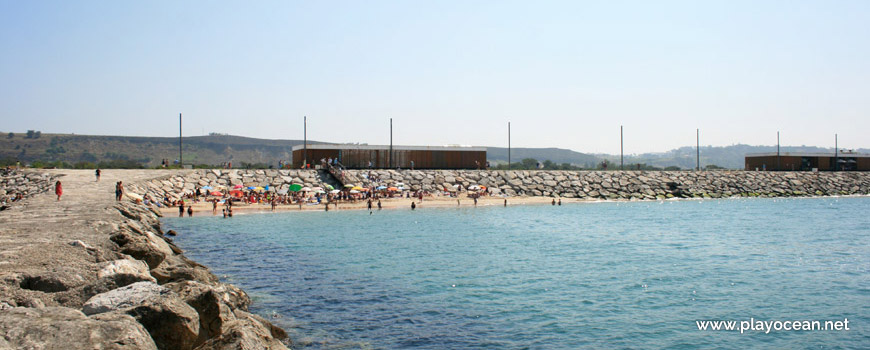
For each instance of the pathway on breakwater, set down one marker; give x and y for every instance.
(90, 272)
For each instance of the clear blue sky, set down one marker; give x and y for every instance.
(565, 73)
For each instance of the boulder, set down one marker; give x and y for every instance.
(125, 270)
(65, 328)
(172, 323)
(124, 297)
(246, 332)
(213, 303)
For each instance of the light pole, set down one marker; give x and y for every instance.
(698, 148)
(777, 150)
(180, 156)
(621, 164)
(305, 141)
(391, 144)
(509, 145)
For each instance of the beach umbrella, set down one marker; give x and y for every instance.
(306, 189)
(216, 193)
(252, 187)
(237, 186)
(236, 193)
(258, 188)
(474, 187)
(268, 188)
(400, 184)
(317, 189)
(334, 191)
(357, 188)
(354, 191)
(206, 187)
(295, 187)
(329, 187)
(365, 190)
(482, 187)
(392, 189)
(381, 188)
(348, 186)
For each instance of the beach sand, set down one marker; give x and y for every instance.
(205, 208)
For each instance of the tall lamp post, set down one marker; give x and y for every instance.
(180, 156)
(509, 145)
(621, 164)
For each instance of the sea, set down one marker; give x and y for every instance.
(600, 275)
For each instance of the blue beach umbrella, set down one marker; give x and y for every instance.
(252, 187)
(381, 188)
(206, 187)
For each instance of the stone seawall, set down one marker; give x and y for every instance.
(569, 184)
(627, 184)
(612, 185)
(87, 272)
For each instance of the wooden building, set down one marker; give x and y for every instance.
(354, 156)
(793, 161)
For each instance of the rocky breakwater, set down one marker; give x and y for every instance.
(88, 272)
(177, 184)
(16, 186)
(627, 185)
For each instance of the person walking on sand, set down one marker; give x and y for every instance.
(58, 190)
(379, 204)
(98, 174)
(119, 190)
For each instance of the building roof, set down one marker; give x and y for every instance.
(808, 154)
(387, 147)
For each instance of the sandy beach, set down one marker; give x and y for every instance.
(205, 208)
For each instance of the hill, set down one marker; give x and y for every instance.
(215, 149)
(148, 151)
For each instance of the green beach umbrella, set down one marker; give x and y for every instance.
(329, 187)
(295, 187)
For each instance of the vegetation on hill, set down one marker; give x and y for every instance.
(89, 151)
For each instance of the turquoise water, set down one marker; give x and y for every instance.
(592, 275)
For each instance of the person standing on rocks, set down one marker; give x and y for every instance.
(58, 190)
(98, 174)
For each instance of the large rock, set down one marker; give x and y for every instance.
(125, 272)
(214, 303)
(124, 297)
(65, 328)
(246, 332)
(172, 323)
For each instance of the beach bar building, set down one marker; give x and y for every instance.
(353, 156)
(793, 161)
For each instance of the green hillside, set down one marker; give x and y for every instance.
(215, 149)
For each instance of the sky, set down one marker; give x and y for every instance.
(565, 74)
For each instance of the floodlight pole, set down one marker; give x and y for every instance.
(180, 156)
(698, 148)
(305, 141)
(621, 163)
(390, 166)
(836, 154)
(509, 145)
(777, 150)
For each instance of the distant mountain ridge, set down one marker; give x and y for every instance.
(216, 148)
